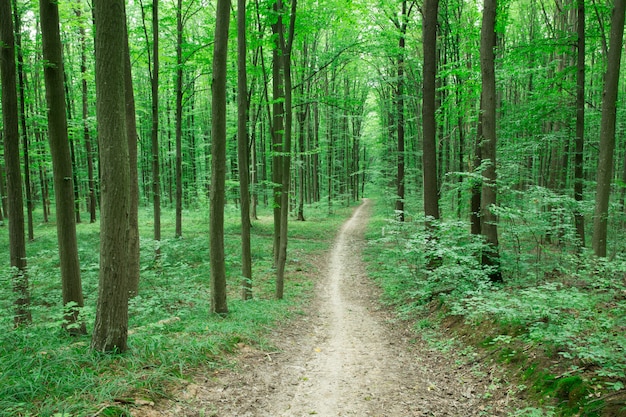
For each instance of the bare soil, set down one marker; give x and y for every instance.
(347, 356)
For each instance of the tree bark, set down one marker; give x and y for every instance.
(402, 24)
(285, 46)
(62, 163)
(607, 130)
(22, 113)
(579, 218)
(179, 120)
(491, 256)
(277, 127)
(429, 159)
(17, 242)
(131, 133)
(85, 109)
(156, 177)
(111, 327)
(242, 151)
(218, 163)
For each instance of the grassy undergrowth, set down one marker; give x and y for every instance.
(558, 321)
(44, 372)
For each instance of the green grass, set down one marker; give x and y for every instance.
(44, 372)
(563, 314)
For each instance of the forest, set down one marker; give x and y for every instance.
(173, 170)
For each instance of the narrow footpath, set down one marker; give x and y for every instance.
(347, 357)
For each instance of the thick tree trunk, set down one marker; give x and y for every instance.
(111, 327)
(131, 133)
(62, 163)
(475, 226)
(242, 148)
(218, 163)
(17, 243)
(491, 256)
(607, 130)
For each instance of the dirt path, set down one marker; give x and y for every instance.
(348, 357)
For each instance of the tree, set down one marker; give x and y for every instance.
(580, 119)
(242, 144)
(607, 129)
(111, 327)
(489, 228)
(62, 163)
(85, 113)
(277, 127)
(22, 113)
(285, 160)
(218, 162)
(17, 242)
(131, 132)
(179, 119)
(154, 79)
(401, 25)
(429, 158)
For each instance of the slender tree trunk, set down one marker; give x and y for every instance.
(607, 130)
(85, 109)
(17, 242)
(491, 256)
(22, 110)
(429, 159)
(400, 116)
(156, 176)
(218, 163)
(111, 327)
(62, 164)
(579, 218)
(179, 120)
(285, 46)
(278, 129)
(131, 133)
(242, 144)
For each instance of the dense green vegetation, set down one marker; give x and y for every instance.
(45, 372)
(558, 320)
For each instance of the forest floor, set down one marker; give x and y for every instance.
(347, 355)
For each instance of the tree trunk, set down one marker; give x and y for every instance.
(277, 128)
(607, 130)
(131, 133)
(242, 151)
(400, 109)
(62, 164)
(17, 243)
(218, 163)
(156, 177)
(429, 159)
(491, 256)
(111, 327)
(22, 110)
(85, 108)
(285, 46)
(179, 120)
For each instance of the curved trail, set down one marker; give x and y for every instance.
(346, 357)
